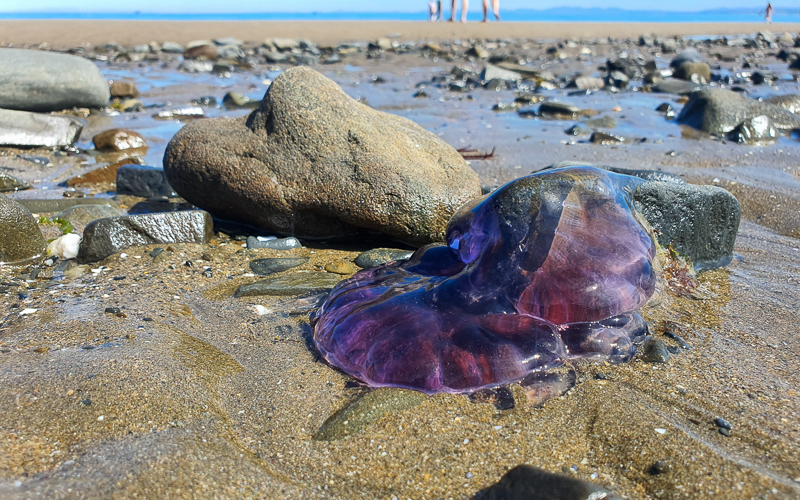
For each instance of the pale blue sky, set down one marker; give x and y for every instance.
(214, 6)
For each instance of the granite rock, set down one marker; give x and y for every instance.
(313, 162)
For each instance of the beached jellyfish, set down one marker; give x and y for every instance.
(547, 268)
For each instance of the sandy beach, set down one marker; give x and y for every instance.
(63, 34)
(142, 372)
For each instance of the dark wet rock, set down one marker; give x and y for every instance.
(675, 86)
(11, 183)
(380, 256)
(313, 162)
(700, 222)
(586, 83)
(381, 44)
(366, 410)
(34, 80)
(558, 110)
(722, 423)
(492, 72)
(265, 267)
(142, 181)
(118, 139)
(618, 79)
(688, 55)
(665, 107)
(653, 350)
(789, 102)
(202, 52)
(525, 482)
(51, 206)
(21, 128)
(758, 130)
(682, 343)
(238, 100)
(697, 72)
(274, 244)
(717, 111)
(223, 69)
(290, 284)
(106, 237)
(578, 130)
(123, 89)
(22, 241)
(605, 138)
(82, 215)
(761, 77)
(601, 122)
(630, 67)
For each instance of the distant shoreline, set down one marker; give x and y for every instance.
(70, 33)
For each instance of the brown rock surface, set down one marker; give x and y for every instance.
(123, 89)
(201, 52)
(106, 174)
(118, 139)
(313, 162)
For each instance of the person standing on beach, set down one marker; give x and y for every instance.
(768, 13)
(495, 9)
(432, 10)
(438, 10)
(464, 5)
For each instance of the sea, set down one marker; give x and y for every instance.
(571, 14)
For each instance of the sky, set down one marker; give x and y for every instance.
(297, 6)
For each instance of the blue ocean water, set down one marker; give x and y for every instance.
(547, 15)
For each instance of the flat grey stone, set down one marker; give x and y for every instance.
(49, 206)
(758, 130)
(173, 48)
(106, 237)
(675, 86)
(22, 241)
(275, 244)
(380, 256)
(700, 222)
(81, 215)
(143, 181)
(34, 80)
(290, 284)
(274, 265)
(492, 72)
(21, 128)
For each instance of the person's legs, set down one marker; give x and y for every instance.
(453, 12)
(485, 10)
(464, 8)
(496, 9)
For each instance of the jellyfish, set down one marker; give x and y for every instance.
(549, 268)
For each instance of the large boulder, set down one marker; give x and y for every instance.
(32, 80)
(313, 162)
(23, 129)
(718, 111)
(22, 241)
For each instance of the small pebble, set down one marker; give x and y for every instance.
(722, 423)
(725, 432)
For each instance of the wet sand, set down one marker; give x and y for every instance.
(192, 394)
(64, 34)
